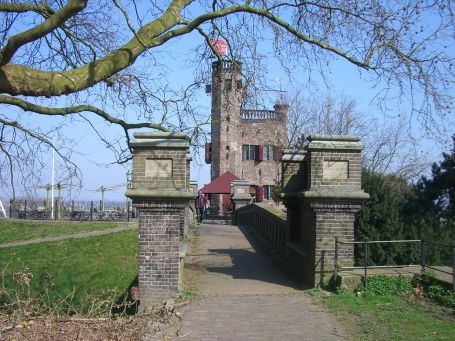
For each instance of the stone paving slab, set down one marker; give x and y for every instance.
(244, 296)
(227, 264)
(258, 317)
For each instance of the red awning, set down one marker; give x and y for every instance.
(220, 185)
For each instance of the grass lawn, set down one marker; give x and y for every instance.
(89, 267)
(12, 230)
(393, 317)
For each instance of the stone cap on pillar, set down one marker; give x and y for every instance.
(159, 139)
(160, 166)
(292, 155)
(160, 193)
(330, 195)
(344, 142)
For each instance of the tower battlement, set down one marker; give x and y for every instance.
(226, 65)
(257, 115)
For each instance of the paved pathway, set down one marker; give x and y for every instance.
(70, 236)
(245, 296)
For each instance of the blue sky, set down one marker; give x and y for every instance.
(97, 163)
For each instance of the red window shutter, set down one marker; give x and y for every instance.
(277, 152)
(208, 152)
(260, 153)
(260, 194)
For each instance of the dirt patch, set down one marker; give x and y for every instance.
(140, 327)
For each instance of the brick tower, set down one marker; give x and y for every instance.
(246, 142)
(227, 95)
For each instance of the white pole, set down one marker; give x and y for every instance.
(3, 209)
(52, 180)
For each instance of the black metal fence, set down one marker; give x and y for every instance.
(424, 246)
(73, 210)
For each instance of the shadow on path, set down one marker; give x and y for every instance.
(229, 260)
(245, 296)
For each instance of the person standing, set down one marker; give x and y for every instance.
(200, 205)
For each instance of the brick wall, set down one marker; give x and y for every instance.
(268, 132)
(294, 174)
(158, 249)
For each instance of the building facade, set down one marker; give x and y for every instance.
(246, 142)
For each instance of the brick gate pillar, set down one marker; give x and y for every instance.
(240, 196)
(160, 193)
(323, 206)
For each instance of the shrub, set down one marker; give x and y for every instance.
(441, 295)
(385, 285)
(426, 283)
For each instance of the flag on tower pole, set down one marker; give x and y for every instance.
(219, 45)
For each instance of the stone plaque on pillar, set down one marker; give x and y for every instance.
(335, 170)
(240, 196)
(160, 193)
(158, 168)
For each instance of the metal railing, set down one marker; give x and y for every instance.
(257, 115)
(423, 257)
(78, 211)
(271, 226)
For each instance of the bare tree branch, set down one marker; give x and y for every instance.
(153, 34)
(43, 9)
(54, 21)
(27, 106)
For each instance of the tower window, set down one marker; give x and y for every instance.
(265, 153)
(250, 152)
(253, 152)
(238, 85)
(268, 152)
(228, 84)
(245, 152)
(268, 192)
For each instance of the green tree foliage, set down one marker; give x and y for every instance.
(436, 195)
(430, 211)
(380, 218)
(397, 210)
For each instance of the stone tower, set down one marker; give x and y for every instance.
(227, 94)
(245, 142)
